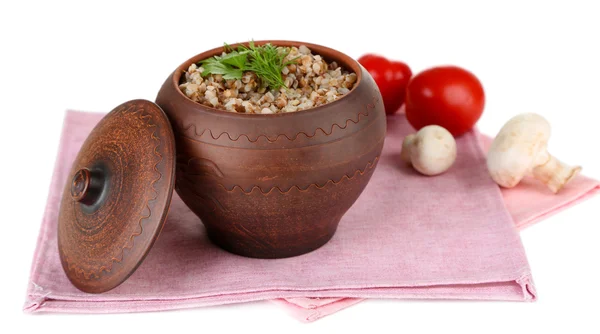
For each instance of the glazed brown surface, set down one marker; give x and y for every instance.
(273, 186)
(115, 205)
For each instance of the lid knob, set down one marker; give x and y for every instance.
(86, 186)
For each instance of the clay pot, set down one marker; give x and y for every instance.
(273, 186)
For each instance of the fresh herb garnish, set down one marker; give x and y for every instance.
(266, 61)
(215, 66)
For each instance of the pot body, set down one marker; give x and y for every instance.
(274, 186)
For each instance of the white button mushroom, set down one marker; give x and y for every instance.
(520, 148)
(431, 151)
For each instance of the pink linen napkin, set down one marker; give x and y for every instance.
(528, 204)
(406, 237)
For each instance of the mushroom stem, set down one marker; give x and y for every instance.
(555, 173)
(407, 145)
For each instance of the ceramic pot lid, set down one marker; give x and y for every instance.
(117, 196)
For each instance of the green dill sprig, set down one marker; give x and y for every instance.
(266, 61)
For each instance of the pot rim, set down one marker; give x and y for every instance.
(332, 54)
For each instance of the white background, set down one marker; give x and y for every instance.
(531, 57)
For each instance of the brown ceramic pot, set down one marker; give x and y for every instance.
(273, 186)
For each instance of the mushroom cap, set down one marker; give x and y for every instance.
(434, 150)
(520, 145)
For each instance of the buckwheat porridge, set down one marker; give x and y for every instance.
(266, 80)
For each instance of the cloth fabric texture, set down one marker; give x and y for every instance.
(528, 203)
(454, 236)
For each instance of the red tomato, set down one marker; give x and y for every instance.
(391, 77)
(448, 96)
